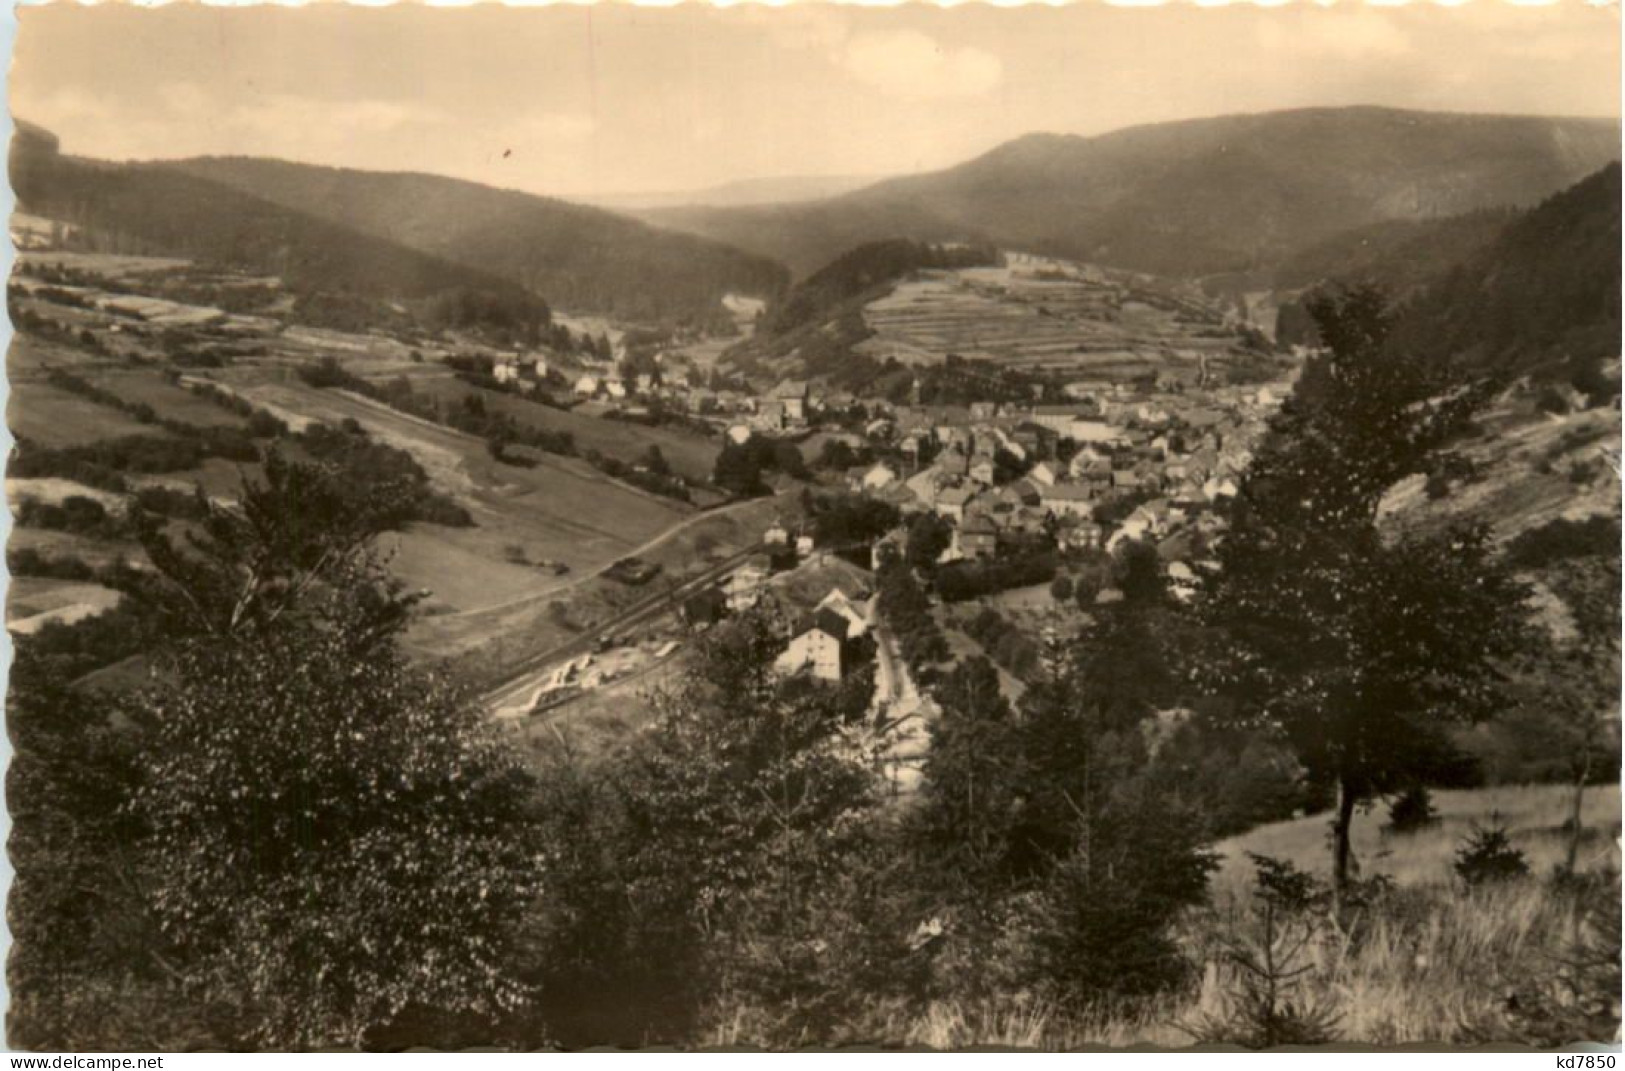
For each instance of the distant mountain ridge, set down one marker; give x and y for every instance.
(1190, 198)
(577, 257)
(777, 189)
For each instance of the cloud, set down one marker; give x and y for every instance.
(913, 65)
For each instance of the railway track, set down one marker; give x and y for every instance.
(525, 675)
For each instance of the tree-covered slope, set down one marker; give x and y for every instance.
(141, 208)
(577, 257)
(1543, 298)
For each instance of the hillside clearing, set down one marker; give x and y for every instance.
(1533, 814)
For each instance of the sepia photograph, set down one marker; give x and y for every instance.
(801, 526)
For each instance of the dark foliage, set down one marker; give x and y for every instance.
(1357, 647)
(740, 466)
(1411, 811)
(1025, 566)
(848, 520)
(1486, 856)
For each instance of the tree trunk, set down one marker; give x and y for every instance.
(1343, 863)
(1575, 829)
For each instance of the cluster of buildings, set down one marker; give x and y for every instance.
(1089, 475)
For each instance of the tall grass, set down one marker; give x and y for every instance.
(1427, 961)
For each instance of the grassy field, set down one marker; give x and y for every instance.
(95, 552)
(31, 603)
(689, 455)
(1533, 815)
(167, 399)
(55, 418)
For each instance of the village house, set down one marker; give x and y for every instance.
(770, 416)
(587, 386)
(744, 587)
(1201, 419)
(1044, 473)
(816, 647)
(1084, 535)
(777, 534)
(879, 477)
(859, 615)
(1054, 417)
(976, 538)
(1150, 415)
(739, 434)
(1009, 445)
(951, 503)
(981, 470)
(540, 368)
(1031, 438)
(1067, 498)
(953, 463)
(792, 396)
(1091, 431)
(1133, 529)
(924, 486)
(1022, 492)
(615, 387)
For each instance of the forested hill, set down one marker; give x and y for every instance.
(577, 257)
(1543, 298)
(147, 209)
(1199, 197)
(1402, 254)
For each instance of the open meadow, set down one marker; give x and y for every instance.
(1533, 815)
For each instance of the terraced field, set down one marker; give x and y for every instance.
(1042, 315)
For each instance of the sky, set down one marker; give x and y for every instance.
(598, 100)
